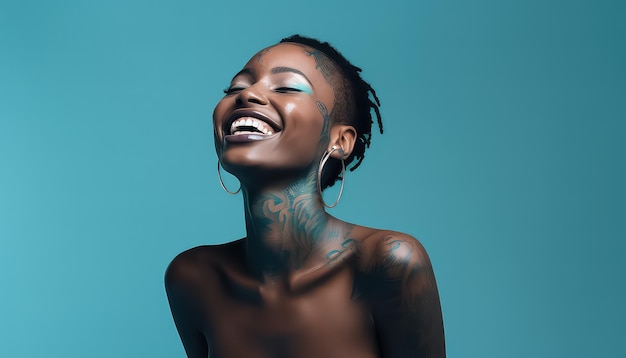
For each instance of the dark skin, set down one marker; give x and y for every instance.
(301, 283)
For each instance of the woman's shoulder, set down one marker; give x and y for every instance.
(382, 240)
(194, 263)
(389, 250)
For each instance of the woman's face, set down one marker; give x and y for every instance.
(276, 112)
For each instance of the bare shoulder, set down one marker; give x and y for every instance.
(400, 286)
(393, 254)
(195, 264)
(189, 280)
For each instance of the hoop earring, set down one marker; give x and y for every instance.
(219, 175)
(325, 157)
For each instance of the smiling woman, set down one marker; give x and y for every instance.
(301, 283)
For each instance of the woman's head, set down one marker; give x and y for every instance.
(290, 103)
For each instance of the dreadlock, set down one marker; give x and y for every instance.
(353, 105)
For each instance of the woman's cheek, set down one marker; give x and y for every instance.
(219, 114)
(289, 108)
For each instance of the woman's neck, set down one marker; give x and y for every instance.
(286, 228)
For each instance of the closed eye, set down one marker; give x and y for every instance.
(233, 90)
(287, 89)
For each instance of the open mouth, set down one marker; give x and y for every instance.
(249, 125)
(245, 121)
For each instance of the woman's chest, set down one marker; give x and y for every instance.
(327, 319)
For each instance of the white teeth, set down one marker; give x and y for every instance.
(249, 122)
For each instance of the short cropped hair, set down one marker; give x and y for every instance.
(353, 105)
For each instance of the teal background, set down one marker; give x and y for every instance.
(503, 152)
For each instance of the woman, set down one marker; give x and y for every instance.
(301, 283)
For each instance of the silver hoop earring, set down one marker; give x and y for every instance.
(325, 157)
(219, 175)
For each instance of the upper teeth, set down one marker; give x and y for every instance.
(249, 122)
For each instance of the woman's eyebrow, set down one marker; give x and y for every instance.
(289, 69)
(245, 71)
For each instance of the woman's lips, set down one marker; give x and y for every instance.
(258, 120)
(246, 137)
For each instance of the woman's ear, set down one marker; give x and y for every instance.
(344, 137)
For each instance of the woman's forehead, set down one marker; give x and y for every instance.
(285, 54)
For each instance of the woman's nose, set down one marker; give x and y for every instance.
(253, 94)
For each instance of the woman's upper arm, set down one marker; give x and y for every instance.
(179, 287)
(406, 306)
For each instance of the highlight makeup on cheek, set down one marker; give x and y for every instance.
(289, 107)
